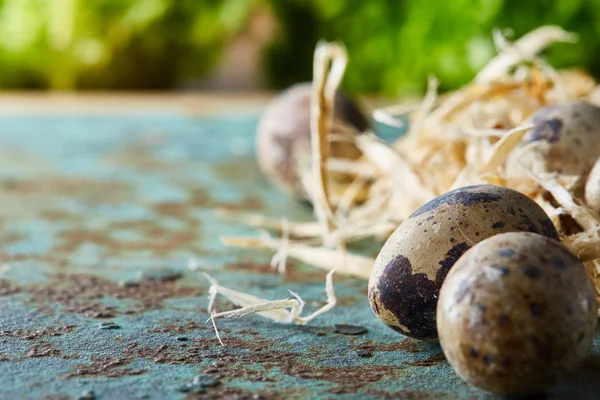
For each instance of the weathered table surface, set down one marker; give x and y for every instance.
(100, 217)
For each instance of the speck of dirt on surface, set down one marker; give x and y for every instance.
(106, 367)
(364, 354)
(349, 379)
(170, 240)
(6, 288)
(263, 268)
(234, 394)
(31, 334)
(43, 349)
(184, 326)
(429, 361)
(402, 394)
(90, 190)
(408, 345)
(83, 294)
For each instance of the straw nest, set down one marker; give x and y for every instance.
(470, 136)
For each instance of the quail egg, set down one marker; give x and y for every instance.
(284, 139)
(411, 266)
(516, 314)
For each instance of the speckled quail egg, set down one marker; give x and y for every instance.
(283, 135)
(411, 267)
(568, 138)
(516, 314)
(592, 188)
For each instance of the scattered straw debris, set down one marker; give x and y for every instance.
(470, 136)
(283, 311)
(321, 257)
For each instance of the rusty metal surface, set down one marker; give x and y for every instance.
(99, 218)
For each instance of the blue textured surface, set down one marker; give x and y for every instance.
(99, 219)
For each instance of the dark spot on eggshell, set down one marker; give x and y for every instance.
(498, 225)
(474, 352)
(481, 308)
(412, 298)
(532, 271)
(528, 225)
(535, 309)
(502, 270)
(548, 130)
(548, 228)
(510, 210)
(487, 359)
(458, 196)
(452, 240)
(569, 310)
(449, 259)
(503, 320)
(558, 263)
(543, 114)
(506, 362)
(506, 252)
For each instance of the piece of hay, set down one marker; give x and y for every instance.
(523, 49)
(283, 311)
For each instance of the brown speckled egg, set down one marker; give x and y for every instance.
(412, 265)
(568, 135)
(516, 314)
(283, 135)
(592, 188)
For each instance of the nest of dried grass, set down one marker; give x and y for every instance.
(453, 140)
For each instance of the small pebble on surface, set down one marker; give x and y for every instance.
(344, 329)
(199, 384)
(87, 395)
(108, 326)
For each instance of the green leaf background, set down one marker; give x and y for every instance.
(161, 44)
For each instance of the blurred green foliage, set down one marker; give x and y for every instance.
(393, 44)
(125, 44)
